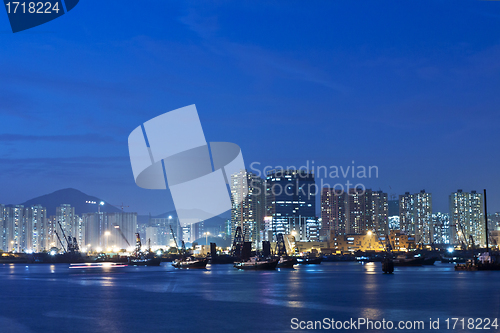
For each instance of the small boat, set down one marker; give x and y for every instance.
(96, 265)
(145, 261)
(255, 264)
(429, 261)
(454, 260)
(388, 265)
(469, 265)
(309, 260)
(287, 262)
(190, 262)
(403, 260)
(140, 258)
(485, 262)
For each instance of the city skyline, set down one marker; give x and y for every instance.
(392, 197)
(360, 216)
(415, 96)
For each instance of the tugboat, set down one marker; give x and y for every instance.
(309, 260)
(140, 258)
(429, 260)
(255, 263)
(387, 265)
(246, 261)
(285, 261)
(189, 261)
(186, 261)
(407, 260)
(387, 262)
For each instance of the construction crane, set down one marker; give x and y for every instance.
(138, 244)
(121, 206)
(59, 238)
(236, 249)
(175, 240)
(72, 243)
(117, 227)
(464, 242)
(280, 246)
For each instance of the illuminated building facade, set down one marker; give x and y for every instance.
(289, 193)
(355, 212)
(249, 213)
(415, 216)
(333, 212)
(35, 219)
(467, 218)
(441, 226)
(101, 230)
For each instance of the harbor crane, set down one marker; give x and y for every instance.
(120, 206)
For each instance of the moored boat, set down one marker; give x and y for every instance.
(140, 258)
(309, 260)
(402, 260)
(429, 261)
(286, 262)
(388, 265)
(255, 264)
(190, 262)
(145, 261)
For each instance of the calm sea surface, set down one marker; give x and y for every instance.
(54, 298)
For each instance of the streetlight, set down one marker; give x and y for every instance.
(101, 203)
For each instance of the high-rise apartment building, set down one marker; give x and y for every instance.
(423, 217)
(441, 225)
(104, 230)
(289, 193)
(65, 219)
(467, 218)
(415, 216)
(333, 212)
(15, 228)
(24, 229)
(248, 189)
(35, 218)
(3, 234)
(380, 212)
(160, 231)
(406, 213)
(355, 212)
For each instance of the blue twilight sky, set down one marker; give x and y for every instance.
(409, 86)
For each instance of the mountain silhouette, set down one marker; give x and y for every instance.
(73, 197)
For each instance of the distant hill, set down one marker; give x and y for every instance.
(215, 221)
(73, 197)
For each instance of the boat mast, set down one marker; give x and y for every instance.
(486, 223)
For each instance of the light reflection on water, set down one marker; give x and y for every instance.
(115, 300)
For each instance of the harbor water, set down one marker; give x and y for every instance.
(54, 298)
